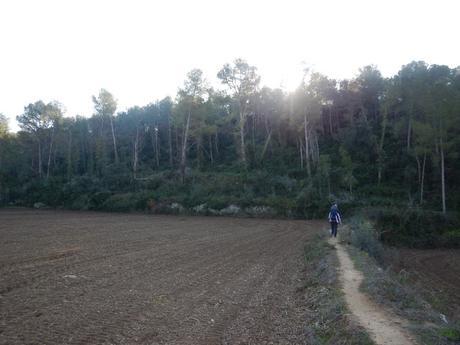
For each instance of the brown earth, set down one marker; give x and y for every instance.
(95, 278)
(436, 270)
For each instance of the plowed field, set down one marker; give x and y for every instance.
(437, 270)
(97, 278)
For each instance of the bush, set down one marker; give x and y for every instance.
(80, 203)
(97, 200)
(415, 227)
(120, 203)
(218, 202)
(283, 206)
(363, 235)
(449, 239)
(146, 201)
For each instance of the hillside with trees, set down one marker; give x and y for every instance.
(387, 145)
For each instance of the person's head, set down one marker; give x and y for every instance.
(334, 206)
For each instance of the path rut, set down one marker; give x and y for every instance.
(384, 327)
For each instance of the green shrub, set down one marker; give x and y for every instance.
(449, 239)
(218, 202)
(364, 237)
(80, 203)
(120, 202)
(145, 201)
(284, 206)
(450, 333)
(415, 227)
(97, 200)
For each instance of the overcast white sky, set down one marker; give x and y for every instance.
(67, 50)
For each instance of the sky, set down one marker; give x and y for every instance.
(141, 50)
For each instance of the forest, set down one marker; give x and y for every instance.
(386, 146)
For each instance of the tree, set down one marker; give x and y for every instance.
(3, 137)
(387, 101)
(424, 137)
(412, 80)
(54, 113)
(3, 125)
(243, 80)
(441, 107)
(165, 109)
(105, 106)
(190, 97)
(37, 119)
(313, 99)
(370, 86)
(348, 167)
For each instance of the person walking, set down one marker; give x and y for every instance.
(334, 219)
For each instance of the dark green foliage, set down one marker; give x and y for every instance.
(363, 236)
(120, 202)
(450, 333)
(415, 227)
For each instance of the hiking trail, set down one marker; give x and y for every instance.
(384, 327)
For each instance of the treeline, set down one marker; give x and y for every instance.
(365, 141)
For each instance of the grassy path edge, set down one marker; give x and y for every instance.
(383, 326)
(328, 320)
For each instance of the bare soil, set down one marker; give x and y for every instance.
(96, 278)
(384, 327)
(437, 270)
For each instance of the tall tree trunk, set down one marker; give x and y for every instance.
(419, 169)
(216, 142)
(267, 142)
(254, 136)
(49, 154)
(40, 170)
(316, 148)
(170, 142)
(422, 178)
(178, 146)
(69, 156)
(199, 153)
(115, 151)
(157, 148)
(307, 149)
(183, 160)
(330, 121)
(242, 144)
(443, 182)
(301, 153)
(135, 156)
(211, 158)
(381, 152)
(409, 130)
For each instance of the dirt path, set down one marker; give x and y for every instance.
(383, 327)
(122, 279)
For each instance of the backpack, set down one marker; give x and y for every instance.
(334, 214)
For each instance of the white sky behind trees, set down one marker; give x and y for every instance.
(141, 51)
